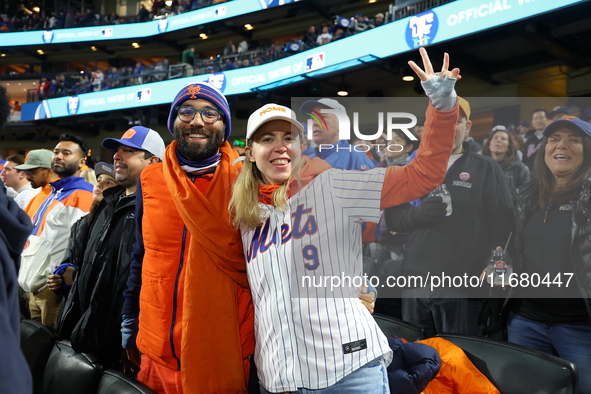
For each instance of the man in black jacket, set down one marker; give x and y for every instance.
(456, 245)
(101, 249)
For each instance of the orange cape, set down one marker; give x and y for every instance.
(211, 348)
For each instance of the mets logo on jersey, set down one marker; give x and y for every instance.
(464, 176)
(264, 237)
(162, 25)
(421, 29)
(218, 80)
(73, 105)
(315, 62)
(47, 36)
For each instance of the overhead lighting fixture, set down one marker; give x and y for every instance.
(248, 26)
(408, 78)
(203, 36)
(3, 55)
(135, 45)
(372, 1)
(343, 93)
(93, 48)
(40, 51)
(168, 3)
(36, 9)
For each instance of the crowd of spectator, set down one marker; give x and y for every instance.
(96, 80)
(230, 57)
(21, 20)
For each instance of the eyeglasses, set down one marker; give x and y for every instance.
(32, 171)
(208, 115)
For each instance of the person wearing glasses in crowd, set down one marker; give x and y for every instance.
(69, 200)
(187, 286)
(37, 170)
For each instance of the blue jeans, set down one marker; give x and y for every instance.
(571, 342)
(372, 378)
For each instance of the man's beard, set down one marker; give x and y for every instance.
(199, 152)
(66, 170)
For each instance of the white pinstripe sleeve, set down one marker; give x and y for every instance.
(358, 192)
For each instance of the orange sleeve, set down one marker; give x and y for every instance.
(407, 183)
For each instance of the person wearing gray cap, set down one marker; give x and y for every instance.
(69, 200)
(100, 251)
(37, 170)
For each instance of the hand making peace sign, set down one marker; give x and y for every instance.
(429, 73)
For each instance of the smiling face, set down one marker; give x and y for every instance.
(196, 139)
(564, 153)
(275, 150)
(129, 163)
(397, 147)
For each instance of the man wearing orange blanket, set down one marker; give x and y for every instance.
(188, 288)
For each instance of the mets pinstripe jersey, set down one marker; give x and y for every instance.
(308, 336)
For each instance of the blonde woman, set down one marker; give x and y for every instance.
(301, 221)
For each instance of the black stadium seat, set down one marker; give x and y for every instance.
(392, 326)
(115, 382)
(68, 372)
(515, 369)
(36, 343)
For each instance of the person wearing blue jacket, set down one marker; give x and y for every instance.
(325, 134)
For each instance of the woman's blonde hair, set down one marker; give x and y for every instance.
(244, 205)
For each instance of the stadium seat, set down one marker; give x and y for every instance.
(396, 327)
(515, 369)
(68, 372)
(115, 382)
(36, 343)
